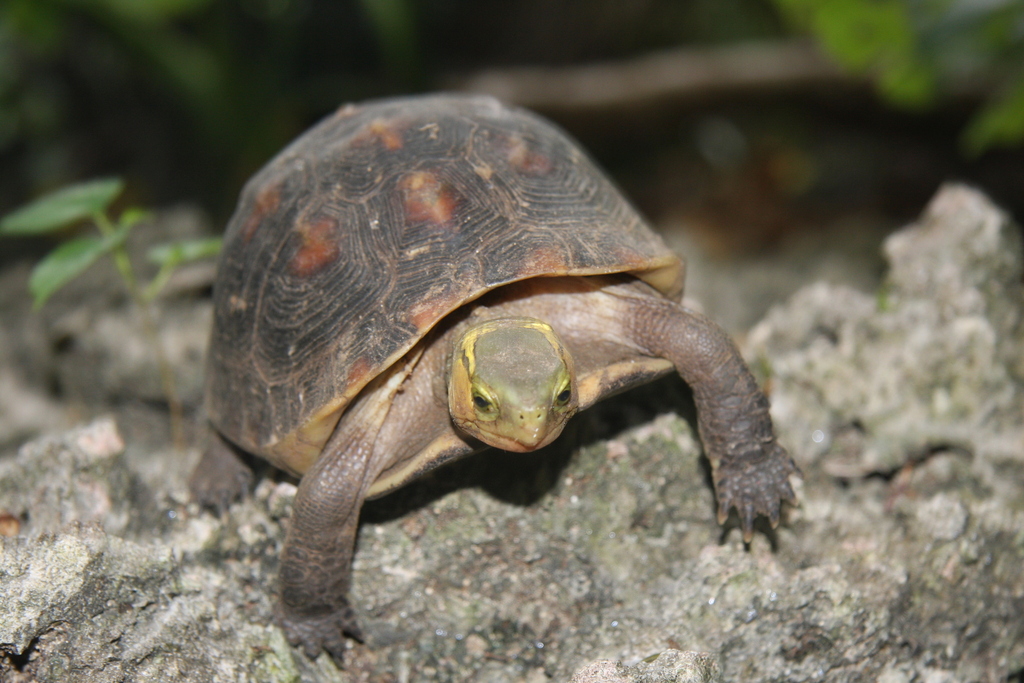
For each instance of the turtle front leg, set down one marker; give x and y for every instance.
(750, 469)
(316, 562)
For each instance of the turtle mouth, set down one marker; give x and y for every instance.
(520, 443)
(523, 439)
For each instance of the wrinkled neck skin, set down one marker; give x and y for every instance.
(511, 383)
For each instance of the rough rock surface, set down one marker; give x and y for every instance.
(905, 410)
(670, 666)
(933, 361)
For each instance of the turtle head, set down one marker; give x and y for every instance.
(511, 383)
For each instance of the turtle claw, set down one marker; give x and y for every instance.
(321, 632)
(755, 485)
(748, 522)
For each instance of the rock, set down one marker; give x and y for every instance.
(671, 666)
(95, 588)
(902, 562)
(944, 516)
(932, 362)
(75, 479)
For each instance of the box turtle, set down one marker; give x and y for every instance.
(415, 279)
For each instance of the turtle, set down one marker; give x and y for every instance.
(416, 279)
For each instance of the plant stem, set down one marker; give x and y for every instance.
(167, 383)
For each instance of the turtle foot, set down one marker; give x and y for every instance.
(220, 478)
(320, 632)
(755, 484)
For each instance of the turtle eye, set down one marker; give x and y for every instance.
(485, 403)
(563, 396)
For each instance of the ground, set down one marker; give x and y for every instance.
(903, 405)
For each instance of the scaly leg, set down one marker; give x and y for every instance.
(316, 562)
(750, 469)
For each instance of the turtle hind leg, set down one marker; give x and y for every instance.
(316, 562)
(316, 621)
(221, 476)
(750, 469)
(320, 633)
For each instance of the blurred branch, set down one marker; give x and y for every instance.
(671, 74)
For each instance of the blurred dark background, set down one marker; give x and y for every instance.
(186, 98)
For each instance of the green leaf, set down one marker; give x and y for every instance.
(173, 253)
(170, 255)
(876, 38)
(1000, 122)
(909, 84)
(69, 260)
(134, 216)
(58, 209)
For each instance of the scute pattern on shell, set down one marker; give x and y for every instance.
(367, 230)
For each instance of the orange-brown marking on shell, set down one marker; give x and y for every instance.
(267, 201)
(630, 259)
(544, 261)
(525, 160)
(379, 130)
(319, 246)
(427, 198)
(358, 372)
(434, 307)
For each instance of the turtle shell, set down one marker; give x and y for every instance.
(352, 243)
